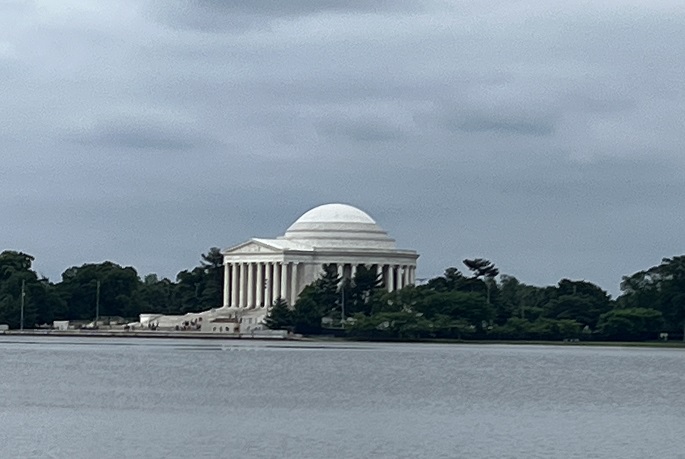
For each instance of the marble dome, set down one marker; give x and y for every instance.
(339, 226)
(335, 213)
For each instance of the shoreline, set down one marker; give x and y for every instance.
(144, 334)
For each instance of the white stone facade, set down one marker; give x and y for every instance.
(259, 271)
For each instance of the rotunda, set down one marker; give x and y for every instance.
(259, 271)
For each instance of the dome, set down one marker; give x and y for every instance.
(339, 226)
(335, 213)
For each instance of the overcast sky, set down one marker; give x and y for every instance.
(546, 136)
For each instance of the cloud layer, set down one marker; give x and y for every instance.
(544, 136)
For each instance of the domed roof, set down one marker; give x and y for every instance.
(339, 226)
(335, 213)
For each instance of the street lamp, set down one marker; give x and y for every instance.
(97, 303)
(23, 295)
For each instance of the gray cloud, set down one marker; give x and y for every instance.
(235, 15)
(504, 125)
(359, 130)
(545, 137)
(137, 134)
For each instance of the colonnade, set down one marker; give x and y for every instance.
(394, 276)
(259, 284)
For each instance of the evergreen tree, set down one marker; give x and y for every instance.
(280, 316)
(359, 293)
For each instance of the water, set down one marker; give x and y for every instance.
(113, 398)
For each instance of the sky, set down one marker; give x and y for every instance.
(546, 136)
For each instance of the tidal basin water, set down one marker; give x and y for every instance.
(113, 398)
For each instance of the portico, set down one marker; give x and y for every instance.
(259, 271)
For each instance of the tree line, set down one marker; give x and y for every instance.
(484, 305)
(123, 293)
(479, 303)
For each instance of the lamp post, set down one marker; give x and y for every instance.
(21, 314)
(342, 304)
(97, 303)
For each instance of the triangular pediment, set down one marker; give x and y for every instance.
(252, 246)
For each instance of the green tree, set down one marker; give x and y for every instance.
(280, 316)
(157, 295)
(41, 301)
(452, 280)
(118, 290)
(308, 312)
(360, 292)
(662, 288)
(212, 264)
(631, 324)
(469, 307)
(391, 325)
(485, 270)
(319, 299)
(481, 267)
(582, 308)
(510, 301)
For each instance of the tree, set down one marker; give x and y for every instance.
(41, 301)
(469, 307)
(212, 264)
(582, 308)
(280, 316)
(510, 302)
(202, 287)
(157, 295)
(307, 314)
(482, 268)
(360, 291)
(13, 262)
(631, 324)
(391, 325)
(325, 291)
(662, 288)
(539, 329)
(118, 290)
(452, 280)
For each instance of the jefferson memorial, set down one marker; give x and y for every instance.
(259, 271)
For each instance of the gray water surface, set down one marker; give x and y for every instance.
(107, 398)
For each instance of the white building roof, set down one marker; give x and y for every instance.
(335, 213)
(327, 228)
(283, 244)
(338, 226)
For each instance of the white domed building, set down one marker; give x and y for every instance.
(259, 271)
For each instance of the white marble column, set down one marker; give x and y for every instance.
(268, 275)
(293, 283)
(284, 282)
(398, 271)
(227, 284)
(242, 295)
(260, 285)
(341, 271)
(405, 276)
(250, 285)
(277, 280)
(391, 278)
(234, 284)
(353, 271)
